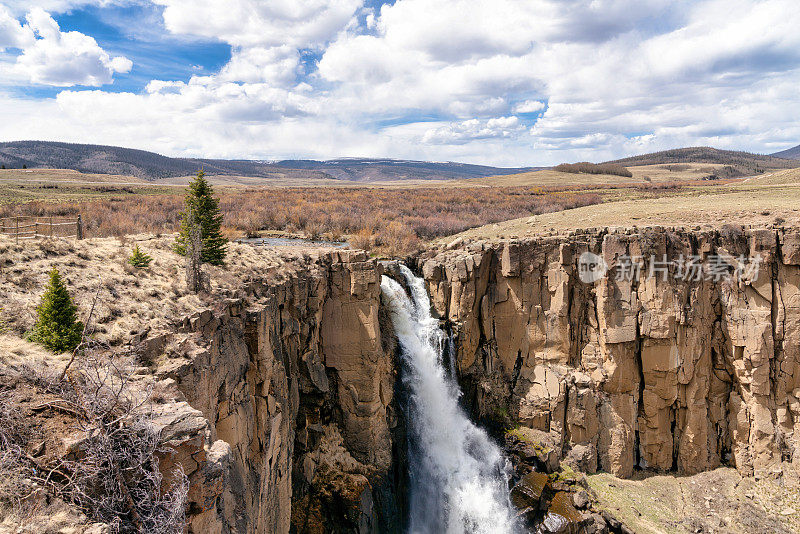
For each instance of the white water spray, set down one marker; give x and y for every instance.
(458, 482)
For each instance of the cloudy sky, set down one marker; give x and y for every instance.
(504, 82)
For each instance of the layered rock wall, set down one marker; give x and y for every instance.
(289, 419)
(668, 370)
(297, 392)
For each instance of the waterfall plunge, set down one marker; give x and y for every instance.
(458, 484)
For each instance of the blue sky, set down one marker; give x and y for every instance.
(155, 53)
(505, 82)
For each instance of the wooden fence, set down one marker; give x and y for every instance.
(33, 227)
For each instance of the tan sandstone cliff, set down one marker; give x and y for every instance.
(277, 390)
(663, 373)
(297, 391)
(274, 392)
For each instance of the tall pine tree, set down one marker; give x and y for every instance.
(200, 201)
(57, 326)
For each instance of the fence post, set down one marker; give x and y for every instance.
(79, 225)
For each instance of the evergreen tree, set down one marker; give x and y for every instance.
(139, 259)
(57, 326)
(201, 202)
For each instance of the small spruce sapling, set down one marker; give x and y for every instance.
(139, 259)
(57, 326)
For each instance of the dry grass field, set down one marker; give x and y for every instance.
(641, 174)
(23, 185)
(549, 178)
(63, 175)
(16, 184)
(785, 177)
(672, 172)
(253, 181)
(100, 264)
(699, 206)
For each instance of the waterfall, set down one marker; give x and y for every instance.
(457, 474)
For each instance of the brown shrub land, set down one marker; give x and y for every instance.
(390, 220)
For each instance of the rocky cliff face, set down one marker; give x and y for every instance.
(283, 409)
(669, 372)
(296, 394)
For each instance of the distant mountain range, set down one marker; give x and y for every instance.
(374, 170)
(792, 153)
(740, 163)
(149, 165)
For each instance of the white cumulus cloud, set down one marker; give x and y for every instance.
(473, 129)
(267, 23)
(529, 106)
(12, 33)
(52, 57)
(508, 82)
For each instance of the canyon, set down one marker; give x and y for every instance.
(281, 397)
(297, 387)
(660, 372)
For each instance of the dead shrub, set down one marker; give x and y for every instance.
(16, 316)
(116, 479)
(660, 186)
(16, 487)
(114, 476)
(361, 240)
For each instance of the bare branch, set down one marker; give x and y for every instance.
(81, 345)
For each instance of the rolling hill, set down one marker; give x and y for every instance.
(641, 174)
(783, 177)
(741, 163)
(791, 153)
(376, 170)
(149, 165)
